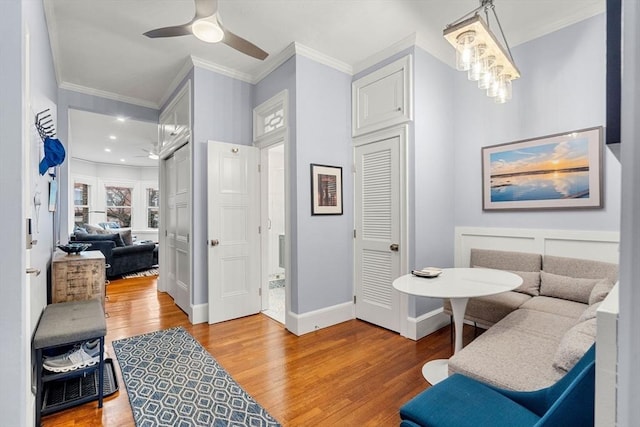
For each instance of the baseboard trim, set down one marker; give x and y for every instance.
(428, 323)
(301, 324)
(199, 314)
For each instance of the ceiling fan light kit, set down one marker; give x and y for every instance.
(481, 55)
(208, 30)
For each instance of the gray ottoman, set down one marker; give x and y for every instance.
(66, 324)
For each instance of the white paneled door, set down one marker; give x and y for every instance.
(377, 242)
(233, 228)
(178, 214)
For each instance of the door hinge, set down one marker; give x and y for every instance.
(260, 291)
(259, 168)
(354, 299)
(187, 237)
(354, 233)
(259, 229)
(166, 233)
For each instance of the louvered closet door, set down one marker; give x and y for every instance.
(377, 194)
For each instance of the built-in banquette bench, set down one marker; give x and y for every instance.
(539, 331)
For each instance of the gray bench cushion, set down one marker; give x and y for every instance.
(69, 322)
(557, 306)
(581, 268)
(517, 352)
(492, 308)
(505, 260)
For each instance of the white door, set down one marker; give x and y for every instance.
(170, 221)
(233, 228)
(377, 243)
(272, 203)
(178, 258)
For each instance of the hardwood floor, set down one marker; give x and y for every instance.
(351, 374)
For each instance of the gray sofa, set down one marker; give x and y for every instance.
(537, 332)
(119, 257)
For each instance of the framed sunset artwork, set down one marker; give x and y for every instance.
(551, 172)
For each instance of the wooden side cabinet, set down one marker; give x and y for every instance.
(78, 277)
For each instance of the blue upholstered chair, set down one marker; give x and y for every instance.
(460, 401)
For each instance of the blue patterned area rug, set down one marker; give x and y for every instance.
(173, 381)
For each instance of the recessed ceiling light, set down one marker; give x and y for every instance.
(121, 119)
(108, 150)
(112, 137)
(122, 160)
(153, 156)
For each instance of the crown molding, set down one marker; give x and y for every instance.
(186, 68)
(274, 62)
(108, 95)
(296, 48)
(193, 61)
(220, 69)
(586, 12)
(386, 53)
(320, 57)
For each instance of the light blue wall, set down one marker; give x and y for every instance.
(43, 91)
(221, 111)
(222, 108)
(20, 306)
(284, 77)
(562, 89)
(323, 136)
(13, 292)
(431, 171)
(321, 267)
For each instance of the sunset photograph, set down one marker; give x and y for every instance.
(550, 169)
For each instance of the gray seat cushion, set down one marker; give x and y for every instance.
(517, 352)
(557, 306)
(492, 308)
(69, 322)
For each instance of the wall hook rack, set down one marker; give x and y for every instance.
(44, 125)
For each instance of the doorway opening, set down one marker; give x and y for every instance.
(273, 236)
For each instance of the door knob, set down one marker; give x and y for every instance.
(394, 247)
(215, 242)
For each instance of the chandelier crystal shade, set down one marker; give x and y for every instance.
(480, 54)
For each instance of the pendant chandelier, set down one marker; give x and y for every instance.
(481, 55)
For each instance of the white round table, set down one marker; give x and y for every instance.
(457, 284)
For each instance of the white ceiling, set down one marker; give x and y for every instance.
(98, 46)
(89, 136)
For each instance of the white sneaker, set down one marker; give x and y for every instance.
(81, 356)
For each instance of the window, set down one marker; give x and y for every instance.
(153, 212)
(81, 203)
(119, 205)
(270, 116)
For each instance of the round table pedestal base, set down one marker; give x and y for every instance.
(435, 371)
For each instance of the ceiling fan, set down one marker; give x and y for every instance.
(152, 154)
(207, 26)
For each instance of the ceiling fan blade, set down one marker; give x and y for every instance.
(178, 30)
(242, 45)
(205, 8)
